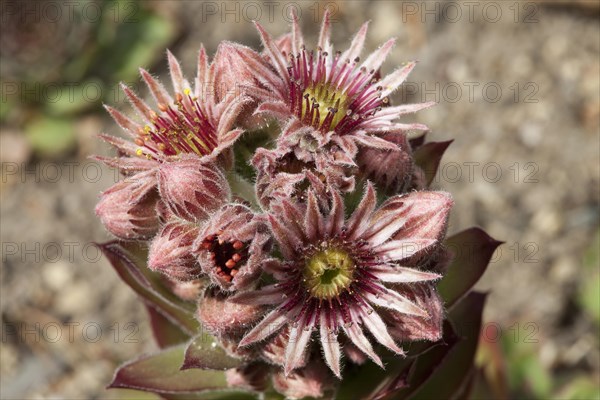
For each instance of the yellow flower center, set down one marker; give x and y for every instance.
(328, 273)
(319, 101)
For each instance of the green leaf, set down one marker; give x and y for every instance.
(160, 373)
(472, 250)
(453, 374)
(204, 352)
(165, 332)
(424, 365)
(128, 259)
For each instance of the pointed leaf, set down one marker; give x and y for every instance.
(160, 373)
(450, 379)
(472, 249)
(426, 364)
(203, 352)
(165, 332)
(428, 157)
(130, 265)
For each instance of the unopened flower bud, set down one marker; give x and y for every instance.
(191, 188)
(170, 251)
(126, 216)
(413, 327)
(187, 290)
(220, 316)
(274, 350)
(252, 376)
(310, 381)
(231, 246)
(389, 169)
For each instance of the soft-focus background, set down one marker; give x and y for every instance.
(518, 86)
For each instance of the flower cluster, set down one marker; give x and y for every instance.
(324, 258)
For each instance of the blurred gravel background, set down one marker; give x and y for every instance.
(518, 86)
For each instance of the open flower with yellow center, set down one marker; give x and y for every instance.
(335, 109)
(198, 119)
(338, 275)
(197, 122)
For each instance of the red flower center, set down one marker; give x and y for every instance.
(227, 256)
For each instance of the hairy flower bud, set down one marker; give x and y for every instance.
(252, 376)
(310, 381)
(128, 215)
(191, 188)
(187, 290)
(220, 316)
(231, 246)
(170, 251)
(414, 327)
(391, 170)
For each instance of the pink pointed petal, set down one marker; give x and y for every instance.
(324, 34)
(274, 321)
(278, 60)
(179, 82)
(128, 164)
(230, 114)
(122, 145)
(402, 275)
(396, 111)
(376, 59)
(293, 217)
(358, 338)
(375, 127)
(395, 79)
(262, 73)
(401, 249)
(140, 106)
(297, 39)
(374, 142)
(357, 44)
(390, 299)
(158, 91)
(359, 221)
(277, 109)
(377, 327)
(331, 346)
(124, 122)
(335, 220)
(312, 220)
(296, 347)
(202, 74)
(227, 140)
(266, 295)
(287, 241)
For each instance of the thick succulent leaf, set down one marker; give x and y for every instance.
(451, 378)
(422, 366)
(203, 352)
(418, 141)
(160, 373)
(212, 395)
(128, 260)
(369, 381)
(423, 360)
(165, 332)
(428, 157)
(472, 249)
